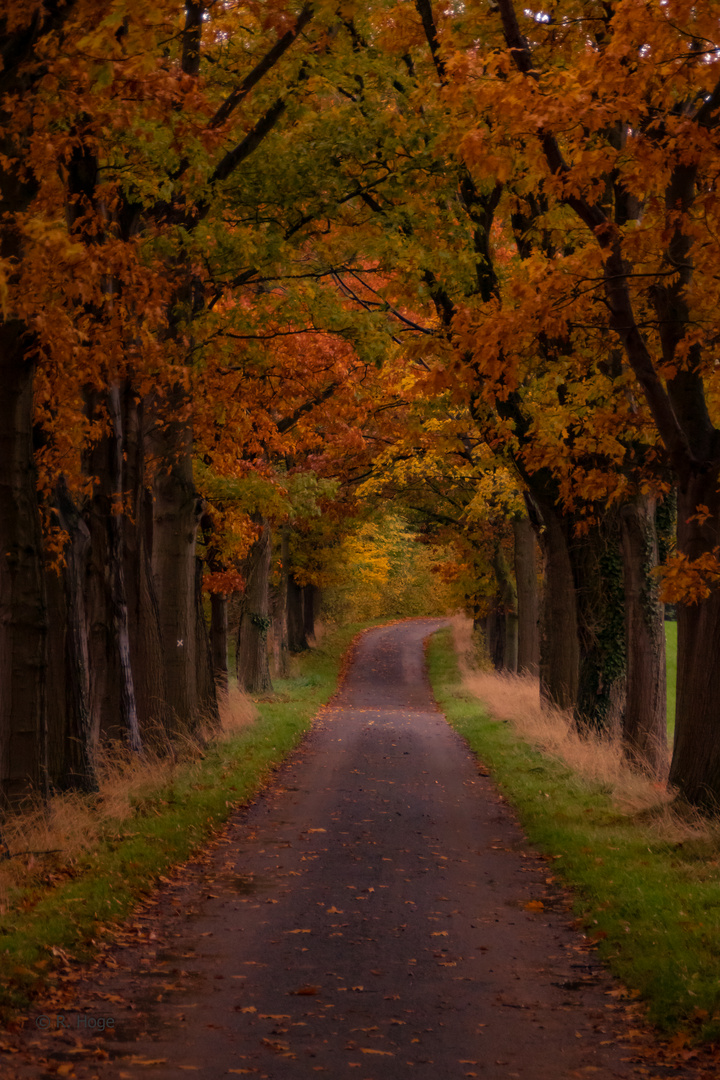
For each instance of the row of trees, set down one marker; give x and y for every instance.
(261, 258)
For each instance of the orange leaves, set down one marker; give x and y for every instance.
(223, 582)
(689, 581)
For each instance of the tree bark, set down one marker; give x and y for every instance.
(146, 655)
(176, 517)
(77, 753)
(279, 628)
(112, 690)
(219, 638)
(207, 702)
(310, 604)
(253, 669)
(494, 630)
(23, 601)
(528, 605)
(597, 569)
(695, 767)
(644, 729)
(559, 645)
(506, 610)
(297, 642)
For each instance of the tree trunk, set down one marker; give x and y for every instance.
(176, 516)
(207, 702)
(112, 691)
(23, 603)
(297, 642)
(597, 568)
(253, 670)
(559, 646)
(58, 703)
(219, 638)
(528, 662)
(78, 749)
(495, 634)
(310, 603)
(146, 655)
(695, 768)
(644, 730)
(279, 628)
(507, 612)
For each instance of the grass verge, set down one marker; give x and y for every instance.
(147, 819)
(646, 881)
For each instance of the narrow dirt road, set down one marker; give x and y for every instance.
(374, 915)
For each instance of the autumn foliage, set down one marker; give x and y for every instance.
(266, 267)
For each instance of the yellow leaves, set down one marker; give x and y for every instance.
(534, 905)
(378, 1053)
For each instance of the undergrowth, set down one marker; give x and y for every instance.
(82, 862)
(645, 872)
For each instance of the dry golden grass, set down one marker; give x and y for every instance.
(48, 839)
(516, 698)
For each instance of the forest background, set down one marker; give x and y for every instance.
(270, 271)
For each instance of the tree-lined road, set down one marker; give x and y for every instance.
(376, 914)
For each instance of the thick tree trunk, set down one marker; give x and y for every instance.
(57, 706)
(112, 691)
(253, 670)
(118, 595)
(146, 654)
(279, 628)
(76, 756)
(310, 604)
(597, 567)
(23, 603)
(559, 645)
(644, 730)
(219, 638)
(207, 706)
(494, 630)
(528, 604)
(176, 516)
(695, 768)
(297, 642)
(506, 611)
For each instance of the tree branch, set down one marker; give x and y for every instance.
(266, 64)
(192, 37)
(616, 269)
(424, 9)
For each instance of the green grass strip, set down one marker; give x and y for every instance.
(653, 904)
(167, 826)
